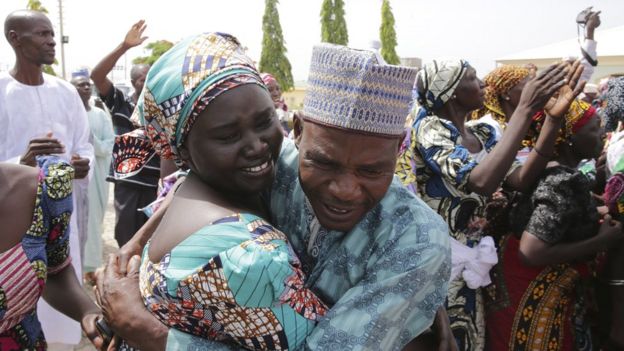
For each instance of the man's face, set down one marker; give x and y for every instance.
(344, 174)
(36, 42)
(139, 80)
(83, 85)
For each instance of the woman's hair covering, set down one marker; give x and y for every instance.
(438, 80)
(268, 78)
(178, 87)
(614, 98)
(499, 82)
(579, 113)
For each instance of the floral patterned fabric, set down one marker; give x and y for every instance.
(236, 281)
(44, 250)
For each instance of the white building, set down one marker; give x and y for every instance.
(610, 49)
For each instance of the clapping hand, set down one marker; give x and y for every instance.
(560, 102)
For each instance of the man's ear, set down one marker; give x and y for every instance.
(297, 127)
(13, 38)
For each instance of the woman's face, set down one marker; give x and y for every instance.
(588, 141)
(469, 93)
(235, 142)
(515, 92)
(274, 90)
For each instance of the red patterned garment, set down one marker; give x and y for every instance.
(44, 250)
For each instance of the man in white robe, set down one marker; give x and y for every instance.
(41, 114)
(102, 138)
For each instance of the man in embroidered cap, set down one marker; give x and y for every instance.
(372, 250)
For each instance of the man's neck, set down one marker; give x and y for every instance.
(86, 105)
(27, 73)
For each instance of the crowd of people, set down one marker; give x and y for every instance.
(401, 209)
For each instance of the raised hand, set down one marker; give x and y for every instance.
(134, 36)
(559, 104)
(593, 20)
(540, 88)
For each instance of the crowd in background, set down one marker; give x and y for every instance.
(400, 209)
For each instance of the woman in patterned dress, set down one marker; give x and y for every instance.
(548, 262)
(35, 210)
(214, 268)
(455, 167)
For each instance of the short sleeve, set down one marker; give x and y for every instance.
(563, 209)
(439, 146)
(55, 208)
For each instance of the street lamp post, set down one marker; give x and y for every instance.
(64, 39)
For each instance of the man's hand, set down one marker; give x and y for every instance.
(122, 306)
(118, 295)
(134, 36)
(81, 166)
(593, 20)
(41, 146)
(90, 330)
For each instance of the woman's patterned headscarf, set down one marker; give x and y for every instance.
(499, 82)
(178, 87)
(614, 97)
(439, 80)
(579, 113)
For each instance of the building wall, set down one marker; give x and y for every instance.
(294, 98)
(607, 65)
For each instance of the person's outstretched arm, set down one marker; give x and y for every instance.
(102, 69)
(589, 45)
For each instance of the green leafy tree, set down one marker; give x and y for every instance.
(273, 57)
(388, 35)
(340, 25)
(157, 48)
(35, 5)
(333, 24)
(327, 21)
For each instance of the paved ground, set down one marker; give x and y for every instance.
(110, 246)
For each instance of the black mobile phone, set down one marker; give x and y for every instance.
(104, 330)
(583, 15)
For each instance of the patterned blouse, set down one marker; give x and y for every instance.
(559, 209)
(442, 166)
(237, 281)
(44, 250)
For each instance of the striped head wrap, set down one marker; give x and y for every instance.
(577, 116)
(439, 79)
(499, 82)
(178, 88)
